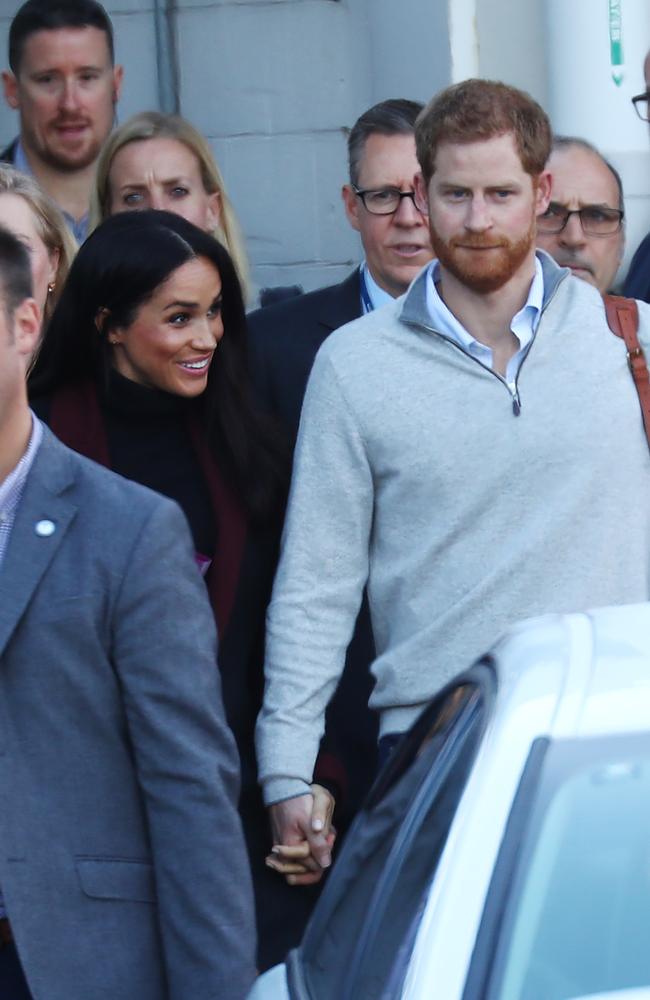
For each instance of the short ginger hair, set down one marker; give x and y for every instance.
(475, 110)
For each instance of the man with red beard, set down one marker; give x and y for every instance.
(468, 451)
(64, 84)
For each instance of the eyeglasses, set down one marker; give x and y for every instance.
(384, 201)
(641, 106)
(595, 221)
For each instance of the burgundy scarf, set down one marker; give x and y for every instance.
(76, 419)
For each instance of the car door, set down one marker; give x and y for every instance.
(358, 943)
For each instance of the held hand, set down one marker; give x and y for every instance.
(303, 836)
(296, 863)
(322, 809)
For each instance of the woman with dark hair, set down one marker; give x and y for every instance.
(143, 369)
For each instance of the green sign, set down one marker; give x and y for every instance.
(616, 41)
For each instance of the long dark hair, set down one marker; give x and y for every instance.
(118, 269)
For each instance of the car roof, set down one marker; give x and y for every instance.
(577, 675)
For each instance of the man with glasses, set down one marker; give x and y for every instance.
(582, 228)
(379, 204)
(637, 283)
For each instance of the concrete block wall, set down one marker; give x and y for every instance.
(272, 85)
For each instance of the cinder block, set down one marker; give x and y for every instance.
(271, 183)
(135, 48)
(268, 68)
(8, 118)
(128, 6)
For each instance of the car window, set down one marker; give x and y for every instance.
(577, 918)
(363, 930)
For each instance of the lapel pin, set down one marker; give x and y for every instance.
(45, 528)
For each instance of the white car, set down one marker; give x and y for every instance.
(504, 851)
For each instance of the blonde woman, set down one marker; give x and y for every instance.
(161, 161)
(28, 213)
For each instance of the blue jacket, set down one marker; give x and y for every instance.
(637, 283)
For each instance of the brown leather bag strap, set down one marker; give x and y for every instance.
(623, 319)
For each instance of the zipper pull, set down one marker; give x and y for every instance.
(516, 403)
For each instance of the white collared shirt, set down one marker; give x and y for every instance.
(11, 489)
(378, 297)
(523, 325)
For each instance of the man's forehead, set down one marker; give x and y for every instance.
(581, 176)
(388, 160)
(51, 47)
(493, 159)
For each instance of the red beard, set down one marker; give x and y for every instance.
(478, 269)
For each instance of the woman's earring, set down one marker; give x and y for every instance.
(51, 287)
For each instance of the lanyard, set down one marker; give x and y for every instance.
(366, 301)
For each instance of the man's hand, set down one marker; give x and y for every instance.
(303, 836)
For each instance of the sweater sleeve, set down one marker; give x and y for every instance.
(319, 584)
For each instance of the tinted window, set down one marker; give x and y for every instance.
(578, 918)
(362, 933)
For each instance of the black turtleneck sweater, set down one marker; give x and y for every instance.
(149, 443)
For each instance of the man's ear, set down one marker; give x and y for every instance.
(118, 78)
(27, 327)
(543, 192)
(351, 203)
(10, 86)
(421, 193)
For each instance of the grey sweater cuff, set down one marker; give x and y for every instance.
(278, 789)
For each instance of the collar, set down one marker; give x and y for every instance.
(523, 324)
(372, 296)
(131, 399)
(414, 309)
(11, 487)
(79, 227)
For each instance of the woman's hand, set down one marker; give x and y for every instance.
(296, 861)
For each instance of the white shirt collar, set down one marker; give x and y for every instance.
(377, 295)
(523, 325)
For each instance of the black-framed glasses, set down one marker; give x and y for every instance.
(594, 219)
(384, 201)
(642, 106)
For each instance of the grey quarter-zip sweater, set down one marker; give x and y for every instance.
(464, 506)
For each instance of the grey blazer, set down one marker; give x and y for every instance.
(122, 861)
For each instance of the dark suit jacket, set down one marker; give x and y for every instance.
(637, 283)
(283, 342)
(7, 155)
(285, 338)
(122, 860)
